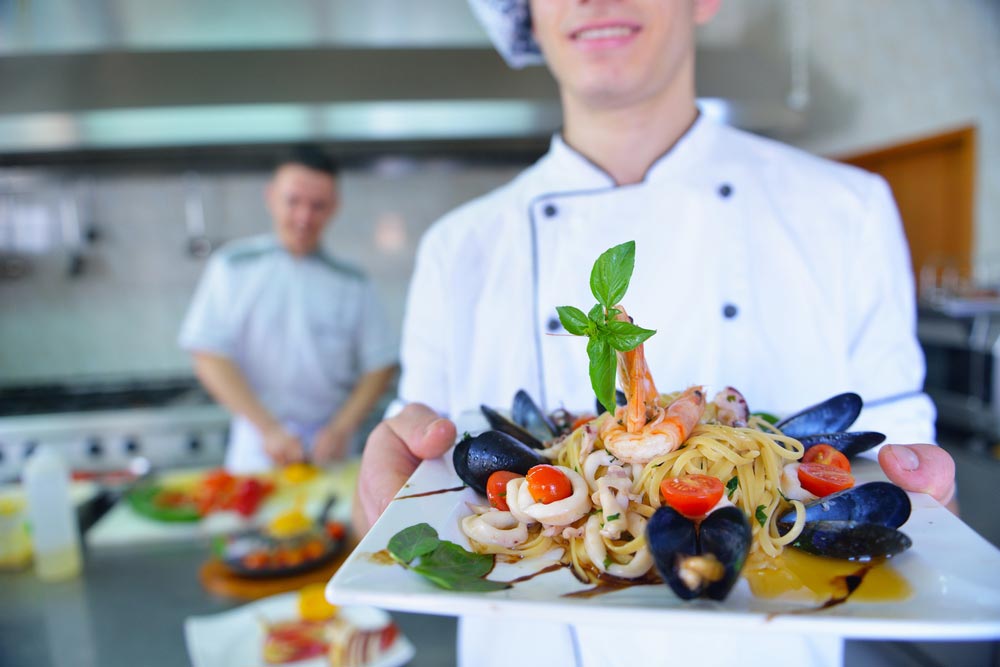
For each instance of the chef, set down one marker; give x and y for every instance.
(291, 340)
(758, 265)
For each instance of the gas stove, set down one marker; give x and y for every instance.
(108, 426)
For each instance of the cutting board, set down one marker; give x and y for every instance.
(122, 526)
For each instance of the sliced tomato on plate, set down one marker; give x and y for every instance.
(692, 495)
(547, 484)
(827, 455)
(496, 488)
(821, 480)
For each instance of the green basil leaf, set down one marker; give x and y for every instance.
(603, 365)
(573, 320)
(596, 315)
(731, 486)
(413, 542)
(466, 584)
(761, 515)
(451, 560)
(625, 336)
(611, 274)
(766, 416)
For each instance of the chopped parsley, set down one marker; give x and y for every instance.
(731, 486)
(761, 515)
(614, 516)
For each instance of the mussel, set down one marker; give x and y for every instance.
(881, 503)
(827, 423)
(526, 414)
(855, 524)
(479, 456)
(833, 415)
(500, 423)
(699, 558)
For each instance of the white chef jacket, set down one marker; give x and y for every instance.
(301, 329)
(759, 266)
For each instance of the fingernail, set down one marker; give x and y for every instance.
(905, 457)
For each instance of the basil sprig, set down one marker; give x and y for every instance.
(444, 563)
(609, 281)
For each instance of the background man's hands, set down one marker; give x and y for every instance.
(394, 450)
(331, 444)
(282, 447)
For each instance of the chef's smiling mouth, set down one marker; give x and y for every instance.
(604, 31)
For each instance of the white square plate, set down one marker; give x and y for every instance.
(954, 574)
(235, 638)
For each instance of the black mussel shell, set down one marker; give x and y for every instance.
(672, 538)
(848, 540)
(477, 457)
(526, 414)
(620, 400)
(849, 444)
(726, 534)
(500, 423)
(832, 415)
(880, 503)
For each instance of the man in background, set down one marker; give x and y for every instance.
(292, 341)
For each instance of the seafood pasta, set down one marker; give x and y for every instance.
(615, 481)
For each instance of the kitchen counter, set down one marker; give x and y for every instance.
(128, 608)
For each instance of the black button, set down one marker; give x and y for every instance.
(95, 448)
(29, 448)
(554, 324)
(725, 190)
(193, 443)
(550, 210)
(132, 445)
(730, 311)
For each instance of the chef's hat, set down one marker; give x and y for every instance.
(508, 24)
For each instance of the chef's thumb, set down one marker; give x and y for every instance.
(921, 469)
(426, 434)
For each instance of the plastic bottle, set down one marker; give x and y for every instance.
(54, 533)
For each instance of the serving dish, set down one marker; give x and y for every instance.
(951, 572)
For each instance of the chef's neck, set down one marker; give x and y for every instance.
(626, 141)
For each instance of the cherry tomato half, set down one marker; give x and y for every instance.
(496, 488)
(827, 455)
(547, 484)
(581, 420)
(692, 495)
(821, 480)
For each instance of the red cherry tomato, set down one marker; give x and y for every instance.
(821, 480)
(827, 455)
(692, 495)
(496, 488)
(580, 421)
(335, 530)
(547, 484)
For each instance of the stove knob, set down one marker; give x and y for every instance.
(194, 444)
(94, 448)
(131, 445)
(29, 448)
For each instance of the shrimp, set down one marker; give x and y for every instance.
(643, 429)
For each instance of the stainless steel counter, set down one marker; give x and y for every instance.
(128, 609)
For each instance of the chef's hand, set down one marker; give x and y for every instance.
(394, 450)
(331, 444)
(923, 469)
(281, 446)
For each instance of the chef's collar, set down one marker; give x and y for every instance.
(567, 170)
